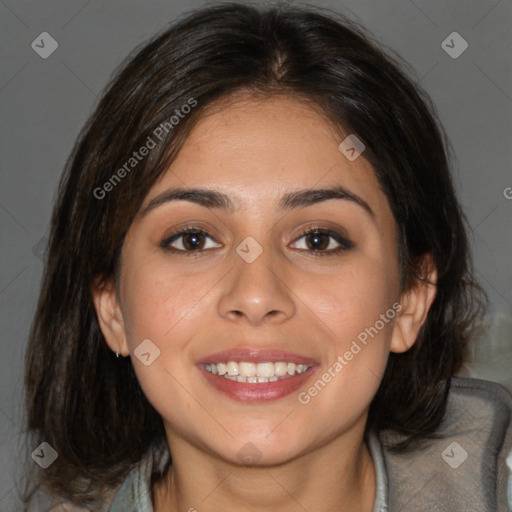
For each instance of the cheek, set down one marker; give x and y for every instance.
(160, 304)
(353, 298)
(163, 307)
(355, 306)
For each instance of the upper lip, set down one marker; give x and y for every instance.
(255, 355)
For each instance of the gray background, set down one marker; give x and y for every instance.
(44, 103)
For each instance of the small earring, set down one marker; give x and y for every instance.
(117, 354)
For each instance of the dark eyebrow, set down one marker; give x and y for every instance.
(219, 200)
(202, 197)
(308, 197)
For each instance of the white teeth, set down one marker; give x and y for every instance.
(253, 373)
(280, 369)
(265, 369)
(247, 369)
(232, 368)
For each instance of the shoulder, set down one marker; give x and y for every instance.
(44, 501)
(464, 467)
(477, 389)
(133, 494)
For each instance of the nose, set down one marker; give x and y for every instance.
(257, 292)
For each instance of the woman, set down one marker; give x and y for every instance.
(259, 287)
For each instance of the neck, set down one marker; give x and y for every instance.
(337, 476)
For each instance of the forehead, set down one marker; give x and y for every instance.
(257, 149)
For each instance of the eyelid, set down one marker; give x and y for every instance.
(176, 235)
(344, 243)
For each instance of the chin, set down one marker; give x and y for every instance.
(259, 451)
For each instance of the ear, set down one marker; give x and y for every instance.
(109, 315)
(415, 304)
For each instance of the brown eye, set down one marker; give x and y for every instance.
(193, 241)
(188, 240)
(323, 242)
(317, 241)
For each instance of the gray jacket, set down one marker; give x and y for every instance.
(462, 470)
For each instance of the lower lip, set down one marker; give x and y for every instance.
(258, 392)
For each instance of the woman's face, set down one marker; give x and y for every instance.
(249, 286)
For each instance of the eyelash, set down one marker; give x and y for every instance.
(344, 243)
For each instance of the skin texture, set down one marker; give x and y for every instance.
(312, 456)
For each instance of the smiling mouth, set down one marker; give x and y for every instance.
(255, 373)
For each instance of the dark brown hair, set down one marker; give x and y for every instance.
(86, 403)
